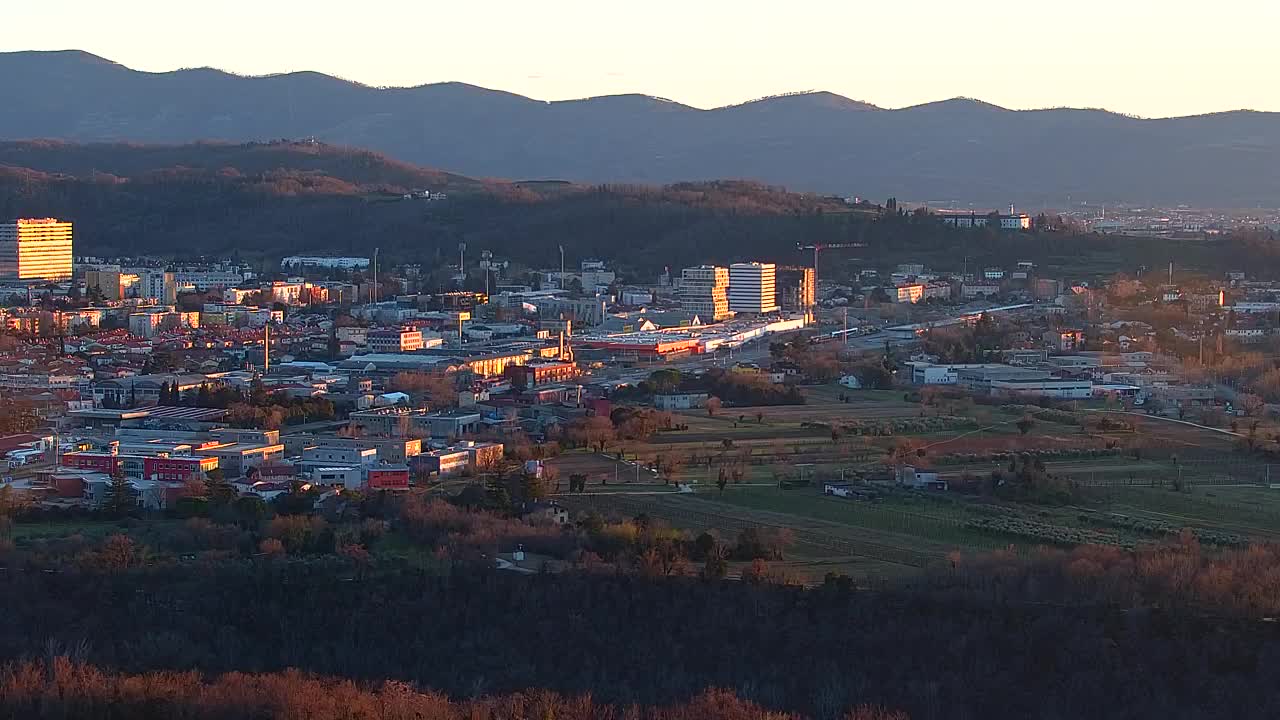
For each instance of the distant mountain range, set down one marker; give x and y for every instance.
(961, 150)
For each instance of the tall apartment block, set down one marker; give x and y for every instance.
(705, 290)
(35, 249)
(796, 291)
(752, 288)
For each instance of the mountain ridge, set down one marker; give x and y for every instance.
(958, 149)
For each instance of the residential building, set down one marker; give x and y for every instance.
(1015, 221)
(797, 293)
(680, 401)
(35, 249)
(909, 293)
(395, 340)
(704, 290)
(286, 292)
(753, 288)
(1012, 221)
(976, 290)
(108, 283)
(1064, 340)
(157, 285)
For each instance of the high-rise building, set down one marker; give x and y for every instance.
(705, 290)
(35, 249)
(159, 285)
(796, 292)
(107, 283)
(752, 288)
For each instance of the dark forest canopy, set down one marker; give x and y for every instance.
(977, 650)
(264, 201)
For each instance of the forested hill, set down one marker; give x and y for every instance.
(334, 169)
(260, 200)
(956, 149)
(264, 201)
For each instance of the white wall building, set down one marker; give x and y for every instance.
(753, 288)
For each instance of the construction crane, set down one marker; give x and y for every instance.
(818, 247)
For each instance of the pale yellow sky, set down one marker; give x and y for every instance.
(1145, 57)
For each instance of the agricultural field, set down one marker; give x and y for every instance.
(1142, 479)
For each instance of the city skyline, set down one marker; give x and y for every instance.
(1115, 56)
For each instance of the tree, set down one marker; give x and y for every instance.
(1025, 423)
(713, 405)
(121, 499)
(1251, 404)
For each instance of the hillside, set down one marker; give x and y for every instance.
(358, 169)
(959, 149)
(267, 200)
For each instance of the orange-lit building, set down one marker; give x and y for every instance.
(35, 249)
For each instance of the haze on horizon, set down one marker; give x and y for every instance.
(1142, 57)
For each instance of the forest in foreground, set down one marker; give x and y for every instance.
(985, 642)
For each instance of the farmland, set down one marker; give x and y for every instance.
(1138, 480)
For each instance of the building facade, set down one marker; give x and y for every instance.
(704, 290)
(35, 249)
(753, 288)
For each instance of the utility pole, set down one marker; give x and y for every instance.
(562, 268)
(373, 292)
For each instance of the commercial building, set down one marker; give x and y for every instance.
(704, 290)
(35, 249)
(388, 477)
(753, 288)
(585, 311)
(1012, 221)
(1005, 381)
(205, 280)
(330, 263)
(541, 372)
(237, 458)
(399, 422)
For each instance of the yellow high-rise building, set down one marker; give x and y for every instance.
(35, 249)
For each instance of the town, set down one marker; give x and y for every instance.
(329, 378)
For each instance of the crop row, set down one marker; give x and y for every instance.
(1161, 528)
(1061, 417)
(1043, 532)
(1043, 454)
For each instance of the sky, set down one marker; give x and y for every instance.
(1154, 58)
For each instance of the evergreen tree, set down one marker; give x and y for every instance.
(121, 498)
(204, 397)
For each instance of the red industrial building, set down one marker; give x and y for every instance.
(145, 467)
(388, 478)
